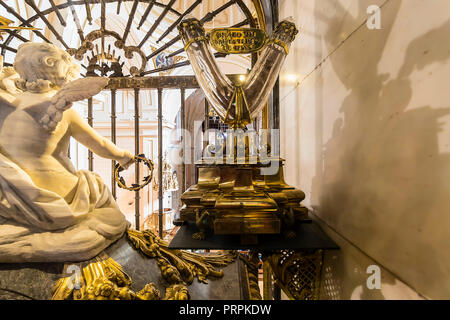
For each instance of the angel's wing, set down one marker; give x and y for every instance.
(49, 112)
(78, 90)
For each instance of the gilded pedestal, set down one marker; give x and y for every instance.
(237, 199)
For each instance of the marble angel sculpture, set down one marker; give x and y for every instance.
(49, 212)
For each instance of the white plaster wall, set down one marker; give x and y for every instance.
(365, 124)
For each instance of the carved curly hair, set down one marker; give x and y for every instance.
(42, 66)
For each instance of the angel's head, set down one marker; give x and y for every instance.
(44, 61)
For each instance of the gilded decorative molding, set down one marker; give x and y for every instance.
(251, 262)
(179, 266)
(177, 292)
(103, 279)
(225, 195)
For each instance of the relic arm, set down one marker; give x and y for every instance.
(221, 93)
(101, 146)
(216, 86)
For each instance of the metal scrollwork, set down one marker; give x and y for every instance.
(98, 64)
(297, 273)
(179, 266)
(251, 262)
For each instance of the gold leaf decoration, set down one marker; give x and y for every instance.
(179, 266)
(105, 279)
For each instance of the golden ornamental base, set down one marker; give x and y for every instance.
(235, 199)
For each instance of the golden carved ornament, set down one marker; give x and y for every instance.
(179, 266)
(103, 279)
(251, 262)
(177, 292)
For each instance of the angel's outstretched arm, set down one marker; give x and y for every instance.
(101, 146)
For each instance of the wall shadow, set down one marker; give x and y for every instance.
(383, 174)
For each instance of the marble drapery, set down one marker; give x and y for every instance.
(39, 225)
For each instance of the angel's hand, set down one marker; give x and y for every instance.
(127, 160)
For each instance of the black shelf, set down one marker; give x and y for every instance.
(309, 237)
